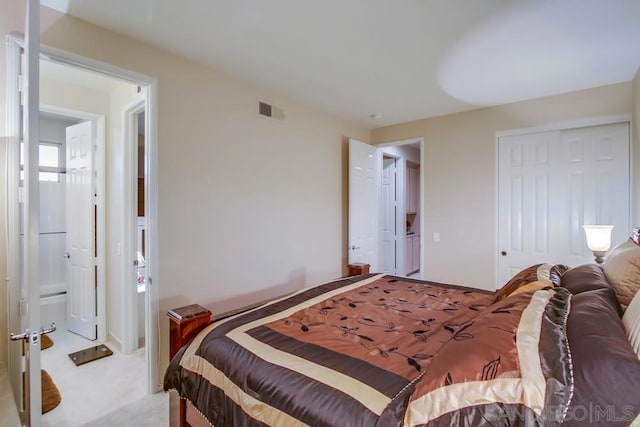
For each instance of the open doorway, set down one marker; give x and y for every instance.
(88, 308)
(69, 100)
(401, 225)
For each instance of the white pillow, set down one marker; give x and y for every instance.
(631, 321)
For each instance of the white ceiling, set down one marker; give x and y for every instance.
(403, 59)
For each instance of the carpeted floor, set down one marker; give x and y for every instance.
(150, 411)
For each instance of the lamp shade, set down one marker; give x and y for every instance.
(598, 237)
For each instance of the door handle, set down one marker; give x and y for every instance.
(503, 253)
(66, 255)
(51, 328)
(19, 337)
(354, 247)
(25, 335)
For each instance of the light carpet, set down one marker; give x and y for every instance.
(151, 410)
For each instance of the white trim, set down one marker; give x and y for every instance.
(129, 295)
(401, 142)
(496, 215)
(569, 124)
(150, 84)
(101, 201)
(152, 298)
(63, 57)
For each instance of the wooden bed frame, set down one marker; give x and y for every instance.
(184, 324)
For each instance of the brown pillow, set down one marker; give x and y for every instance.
(584, 278)
(622, 269)
(530, 274)
(606, 370)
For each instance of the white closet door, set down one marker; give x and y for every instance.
(525, 172)
(552, 183)
(596, 184)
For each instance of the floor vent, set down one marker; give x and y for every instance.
(268, 110)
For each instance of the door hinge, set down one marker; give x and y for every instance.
(20, 194)
(20, 83)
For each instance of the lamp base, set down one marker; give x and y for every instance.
(599, 256)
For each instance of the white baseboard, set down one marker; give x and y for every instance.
(115, 341)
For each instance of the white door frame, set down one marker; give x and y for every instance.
(100, 138)
(130, 293)
(402, 170)
(564, 125)
(15, 45)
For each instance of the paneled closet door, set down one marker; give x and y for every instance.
(552, 183)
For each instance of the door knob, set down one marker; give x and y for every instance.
(503, 253)
(66, 255)
(354, 247)
(25, 335)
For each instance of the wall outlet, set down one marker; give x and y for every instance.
(436, 236)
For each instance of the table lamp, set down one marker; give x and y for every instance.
(598, 240)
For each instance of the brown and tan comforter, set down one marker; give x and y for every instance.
(383, 351)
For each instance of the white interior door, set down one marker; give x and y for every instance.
(23, 270)
(524, 173)
(389, 215)
(552, 183)
(364, 203)
(80, 188)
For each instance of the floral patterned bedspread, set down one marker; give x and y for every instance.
(383, 350)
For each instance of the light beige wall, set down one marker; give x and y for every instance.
(57, 93)
(249, 207)
(459, 164)
(635, 150)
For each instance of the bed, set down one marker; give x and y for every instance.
(382, 350)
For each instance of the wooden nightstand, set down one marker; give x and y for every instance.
(185, 323)
(358, 268)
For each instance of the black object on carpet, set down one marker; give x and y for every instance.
(90, 354)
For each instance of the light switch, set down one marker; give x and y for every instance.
(436, 236)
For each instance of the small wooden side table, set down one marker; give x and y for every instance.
(184, 323)
(358, 268)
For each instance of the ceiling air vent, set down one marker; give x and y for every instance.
(268, 110)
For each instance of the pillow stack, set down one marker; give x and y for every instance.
(622, 269)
